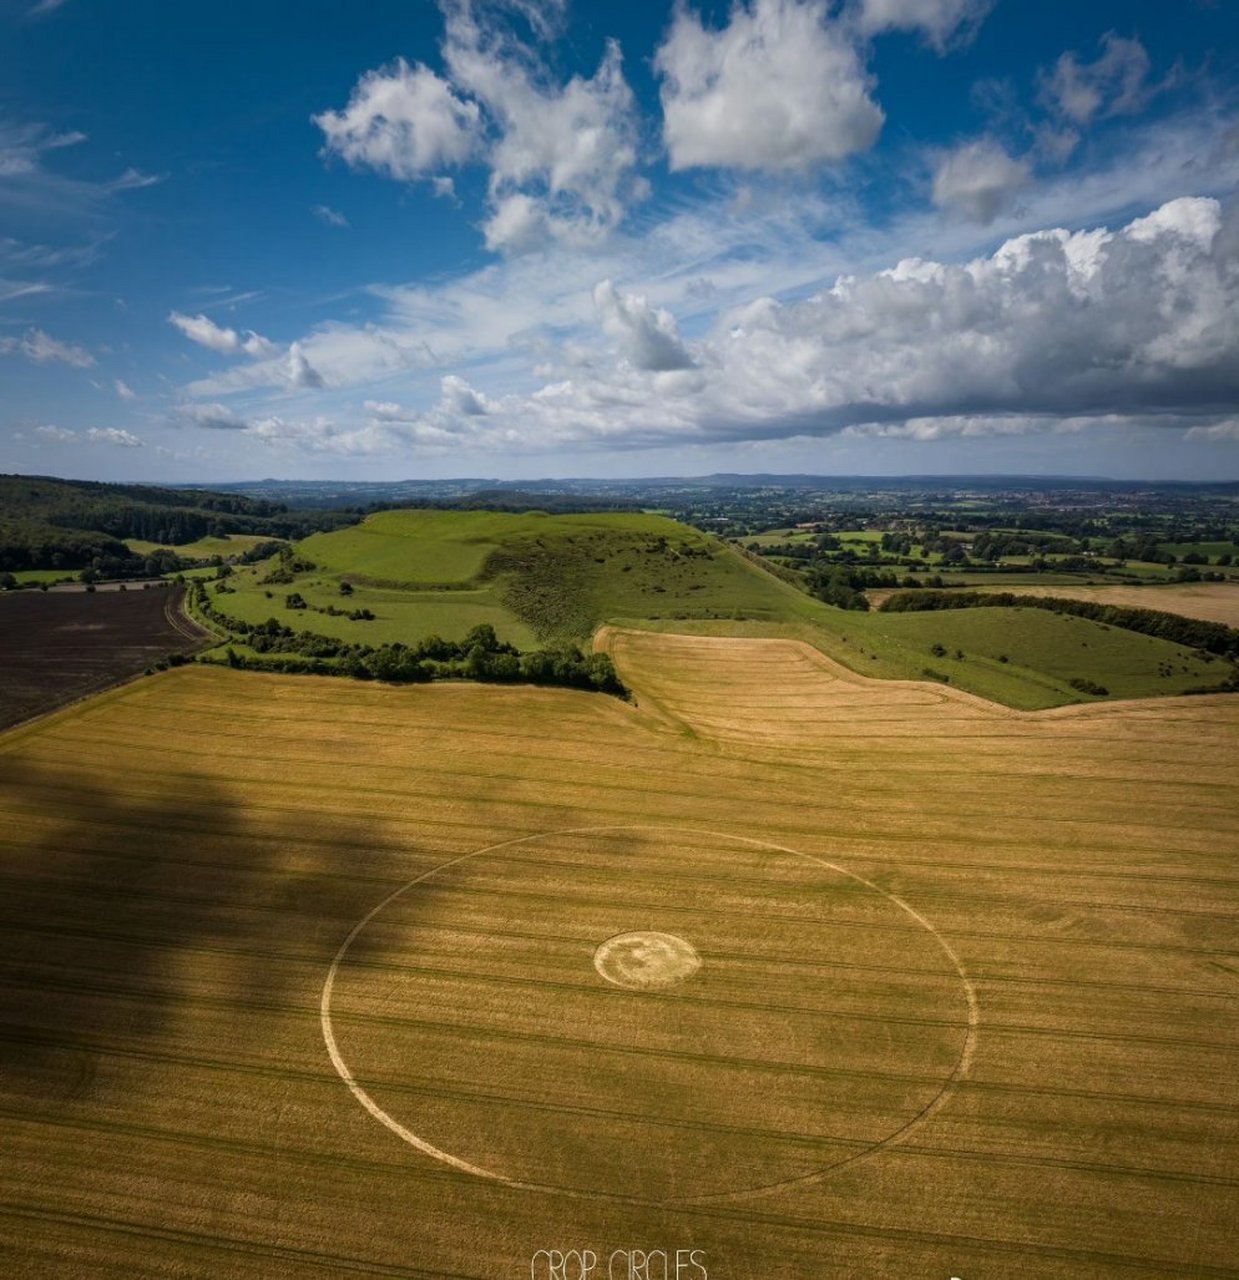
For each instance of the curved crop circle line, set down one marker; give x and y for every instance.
(958, 1072)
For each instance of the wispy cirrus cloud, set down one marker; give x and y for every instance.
(42, 348)
(29, 182)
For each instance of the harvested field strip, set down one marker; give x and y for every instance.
(512, 816)
(1191, 795)
(121, 992)
(68, 881)
(279, 1072)
(213, 1243)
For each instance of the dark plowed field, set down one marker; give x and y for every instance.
(58, 646)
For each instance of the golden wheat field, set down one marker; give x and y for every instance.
(781, 971)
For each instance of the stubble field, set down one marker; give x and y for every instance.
(311, 978)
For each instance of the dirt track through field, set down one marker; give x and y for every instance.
(181, 859)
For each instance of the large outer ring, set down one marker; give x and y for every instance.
(958, 1072)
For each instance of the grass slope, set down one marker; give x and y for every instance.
(181, 860)
(1045, 651)
(541, 579)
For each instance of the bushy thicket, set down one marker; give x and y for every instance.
(841, 587)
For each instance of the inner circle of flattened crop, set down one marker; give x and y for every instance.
(957, 1073)
(646, 961)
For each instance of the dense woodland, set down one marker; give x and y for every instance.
(81, 525)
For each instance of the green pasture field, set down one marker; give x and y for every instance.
(45, 575)
(1045, 651)
(405, 616)
(777, 537)
(1210, 549)
(234, 544)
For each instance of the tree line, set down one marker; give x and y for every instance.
(481, 655)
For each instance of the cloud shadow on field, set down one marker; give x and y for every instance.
(124, 912)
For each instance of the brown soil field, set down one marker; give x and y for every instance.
(1212, 601)
(57, 646)
(301, 978)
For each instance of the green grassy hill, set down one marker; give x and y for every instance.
(543, 579)
(534, 577)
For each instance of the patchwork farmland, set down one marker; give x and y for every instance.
(305, 977)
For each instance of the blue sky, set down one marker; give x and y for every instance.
(500, 238)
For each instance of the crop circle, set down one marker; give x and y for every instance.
(646, 960)
(814, 1019)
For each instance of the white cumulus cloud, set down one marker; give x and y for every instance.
(302, 375)
(647, 336)
(404, 121)
(979, 180)
(459, 397)
(1055, 330)
(561, 156)
(206, 333)
(780, 88)
(116, 436)
(562, 162)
